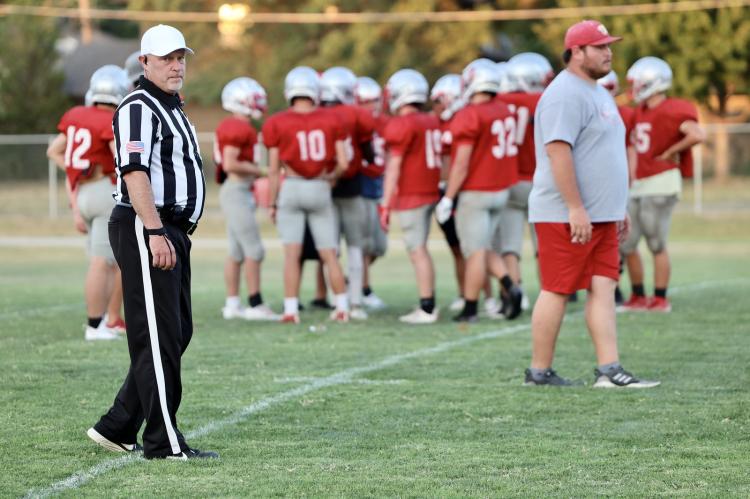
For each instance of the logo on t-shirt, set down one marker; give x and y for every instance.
(609, 113)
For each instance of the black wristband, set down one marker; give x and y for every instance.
(161, 231)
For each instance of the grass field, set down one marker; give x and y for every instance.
(378, 409)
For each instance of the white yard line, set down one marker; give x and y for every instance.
(80, 478)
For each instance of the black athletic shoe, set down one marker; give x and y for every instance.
(321, 303)
(512, 304)
(550, 378)
(110, 445)
(192, 454)
(620, 378)
(466, 318)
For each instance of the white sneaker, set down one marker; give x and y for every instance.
(232, 313)
(260, 312)
(491, 306)
(457, 305)
(100, 333)
(373, 302)
(358, 313)
(525, 303)
(419, 316)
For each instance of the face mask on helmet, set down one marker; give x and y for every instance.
(244, 96)
(649, 76)
(337, 85)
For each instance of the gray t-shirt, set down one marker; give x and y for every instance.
(584, 115)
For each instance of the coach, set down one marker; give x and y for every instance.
(160, 194)
(578, 205)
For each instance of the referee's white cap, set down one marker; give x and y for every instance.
(161, 40)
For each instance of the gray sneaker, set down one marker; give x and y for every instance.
(620, 378)
(550, 378)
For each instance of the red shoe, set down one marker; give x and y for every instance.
(635, 304)
(340, 316)
(290, 318)
(659, 304)
(117, 326)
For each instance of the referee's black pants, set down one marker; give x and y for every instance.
(159, 322)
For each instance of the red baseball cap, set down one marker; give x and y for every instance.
(588, 33)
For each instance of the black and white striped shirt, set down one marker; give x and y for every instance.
(152, 134)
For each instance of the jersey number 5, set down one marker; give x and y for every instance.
(642, 137)
(312, 145)
(79, 142)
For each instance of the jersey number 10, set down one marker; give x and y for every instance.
(312, 145)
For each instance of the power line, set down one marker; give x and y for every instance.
(334, 17)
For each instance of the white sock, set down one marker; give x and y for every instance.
(342, 302)
(356, 265)
(291, 306)
(232, 302)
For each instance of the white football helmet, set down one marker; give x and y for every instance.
(447, 91)
(87, 100)
(302, 81)
(133, 67)
(507, 82)
(531, 72)
(480, 75)
(244, 96)
(610, 82)
(649, 76)
(337, 85)
(109, 85)
(406, 86)
(367, 90)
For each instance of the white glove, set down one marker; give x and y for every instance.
(443, 210)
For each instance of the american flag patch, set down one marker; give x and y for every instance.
(135, 146)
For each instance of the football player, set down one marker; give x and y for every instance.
(133, 68)
(309, 143)
(445, 97)
(369, 96)
(627, 113)
(412, 174)
(664, 130)
(337, 95)
(483, 168)
(85, 150)
(526, 76)
(236, 170)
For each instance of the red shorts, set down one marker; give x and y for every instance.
(568, 267)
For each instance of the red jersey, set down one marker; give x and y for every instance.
(306, 141)
(89, 131)
(491, 128)
(358, 125)
(415, 138)
(523, 106)
(446, 139)
(627, 114)
(235, 132)
(655, 130)
(377, 169)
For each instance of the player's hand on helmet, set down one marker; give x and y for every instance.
(444, 209)
(162, 251)
(79, 222)
(384, 216)
(580, 225)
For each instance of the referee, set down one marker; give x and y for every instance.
(160, 195)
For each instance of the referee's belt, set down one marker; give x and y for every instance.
(173, 215)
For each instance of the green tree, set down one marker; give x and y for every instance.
(31, 98)
(707, 50)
